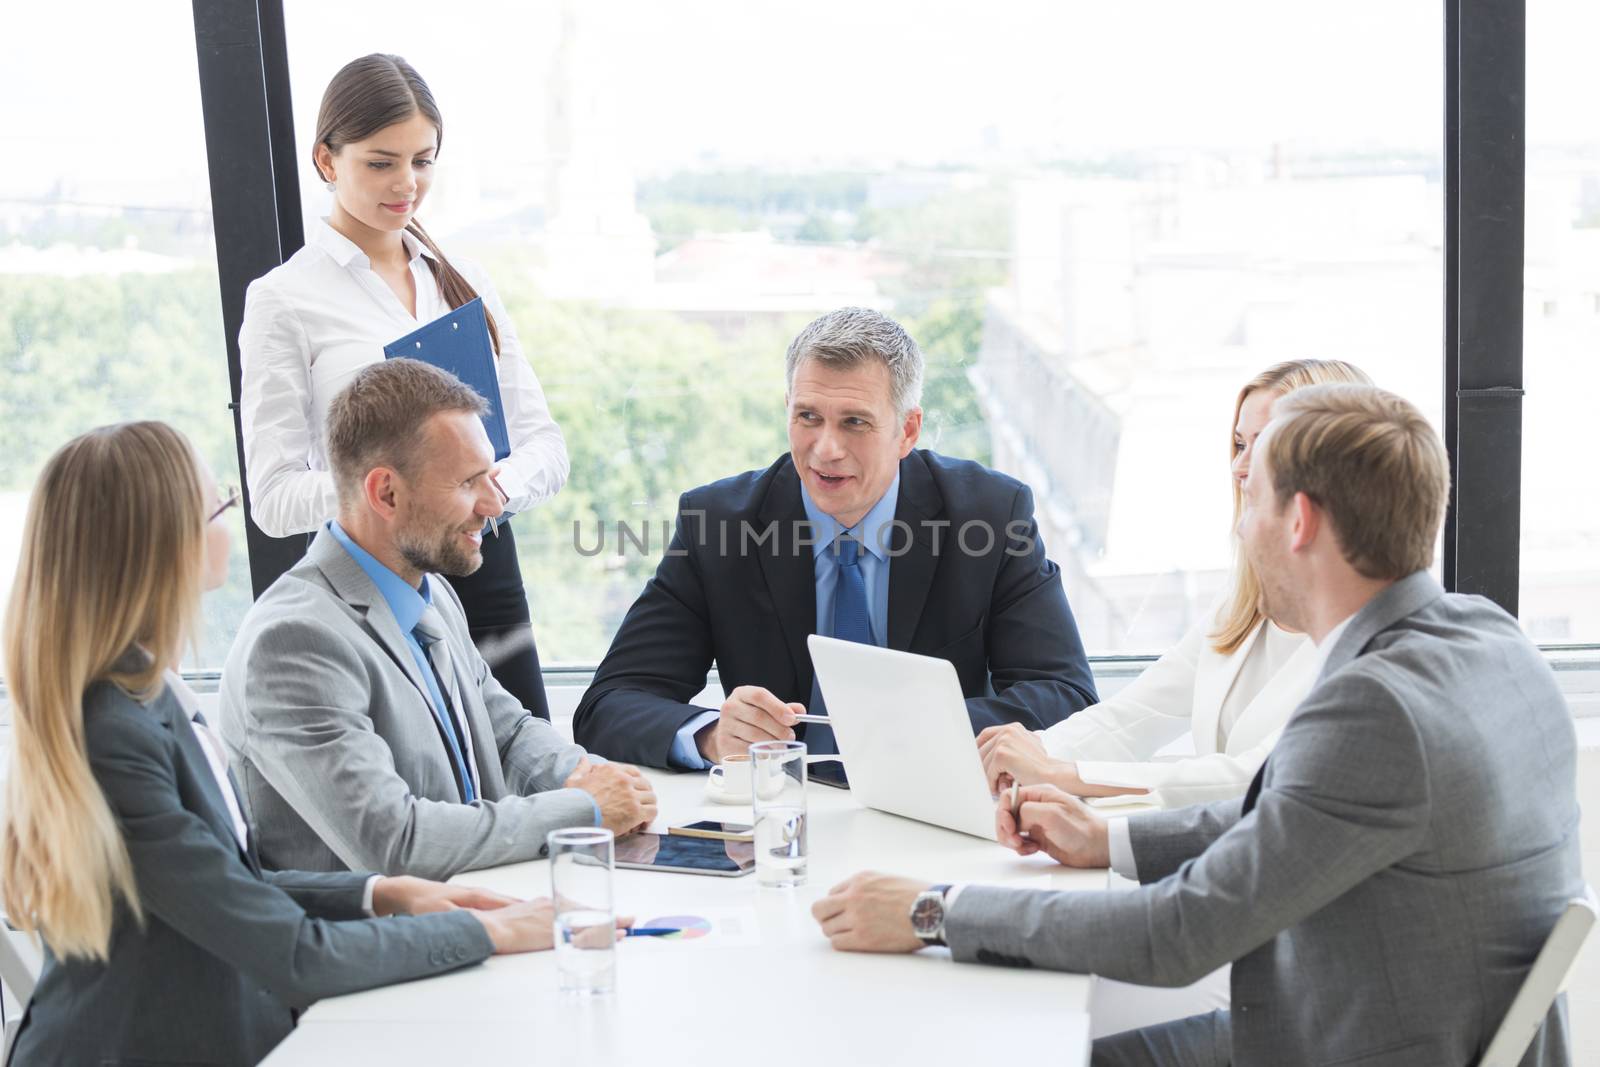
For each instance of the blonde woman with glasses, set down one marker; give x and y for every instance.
(123, 842)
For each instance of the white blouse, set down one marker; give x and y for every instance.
(1233, 707)
(211, 745)
(309, 326)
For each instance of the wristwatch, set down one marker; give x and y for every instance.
(927, 915)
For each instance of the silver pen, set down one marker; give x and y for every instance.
(505, 498)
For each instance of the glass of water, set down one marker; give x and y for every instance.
(581, 864)
(778, 795)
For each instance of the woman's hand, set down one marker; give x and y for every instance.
(513, 925)
(529, 926)
(418, 896)
(1013, 753)
(525, 926)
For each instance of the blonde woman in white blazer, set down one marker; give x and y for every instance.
(1230, 683)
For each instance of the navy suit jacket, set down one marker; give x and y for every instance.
(737, 587)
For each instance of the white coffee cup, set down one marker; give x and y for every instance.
(730, 777)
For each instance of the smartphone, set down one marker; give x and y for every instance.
(718, 831)
(685, 855)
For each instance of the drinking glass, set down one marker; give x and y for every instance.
(778, 795)
(581, 866)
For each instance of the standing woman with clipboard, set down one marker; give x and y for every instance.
(367, 276)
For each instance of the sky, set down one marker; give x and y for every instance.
(754, 82)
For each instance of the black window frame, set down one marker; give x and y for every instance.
(249, 129)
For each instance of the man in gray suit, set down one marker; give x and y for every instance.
(364, 727)
(1400, 859)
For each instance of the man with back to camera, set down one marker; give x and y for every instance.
(855, 534)
(366, 730)
(1402, 855)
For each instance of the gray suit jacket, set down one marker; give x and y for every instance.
(1388, 882)
(227, 951)
(328, 727)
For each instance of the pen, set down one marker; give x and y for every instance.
(652, 931)
(1016, 808)
(505, 498)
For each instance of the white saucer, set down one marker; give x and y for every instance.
(717, 795)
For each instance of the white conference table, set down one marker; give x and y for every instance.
(763, 986)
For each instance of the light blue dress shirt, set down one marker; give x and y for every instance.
(407, 605)
(876, 537)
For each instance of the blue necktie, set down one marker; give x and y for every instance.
(852, 621)
(430, 634)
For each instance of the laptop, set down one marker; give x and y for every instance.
(903, 733)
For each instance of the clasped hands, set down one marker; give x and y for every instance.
(627, 802)
(871, 912)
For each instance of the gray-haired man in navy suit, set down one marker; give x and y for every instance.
(855, 534)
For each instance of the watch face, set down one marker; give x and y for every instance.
(928, 915)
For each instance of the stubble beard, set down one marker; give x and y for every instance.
(440, 554)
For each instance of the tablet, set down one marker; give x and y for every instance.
(686, 855)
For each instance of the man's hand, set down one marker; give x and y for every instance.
(418, 896)
(1056, 823)
(750, 714)
(627, 803)
(870, 912)
(1012, 753)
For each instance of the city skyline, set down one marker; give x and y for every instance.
(1172, 273)
(714, 83)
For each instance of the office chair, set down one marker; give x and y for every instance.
(1539, 989)
(19, 972)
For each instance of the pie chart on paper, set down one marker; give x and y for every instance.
(685, 927)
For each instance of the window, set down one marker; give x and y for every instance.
(1560, 596)
(108, 279)
(1097, 222)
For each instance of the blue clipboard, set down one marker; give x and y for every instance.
(458, 342)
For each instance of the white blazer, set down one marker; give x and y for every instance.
(1113, 742)
(309, 326)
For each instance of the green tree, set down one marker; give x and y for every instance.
(650, 405)
(76, 353)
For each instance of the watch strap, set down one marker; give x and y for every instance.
(944, 897)
(937, 937)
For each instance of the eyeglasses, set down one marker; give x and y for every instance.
(230, 496)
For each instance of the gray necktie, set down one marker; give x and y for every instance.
(430, 633)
